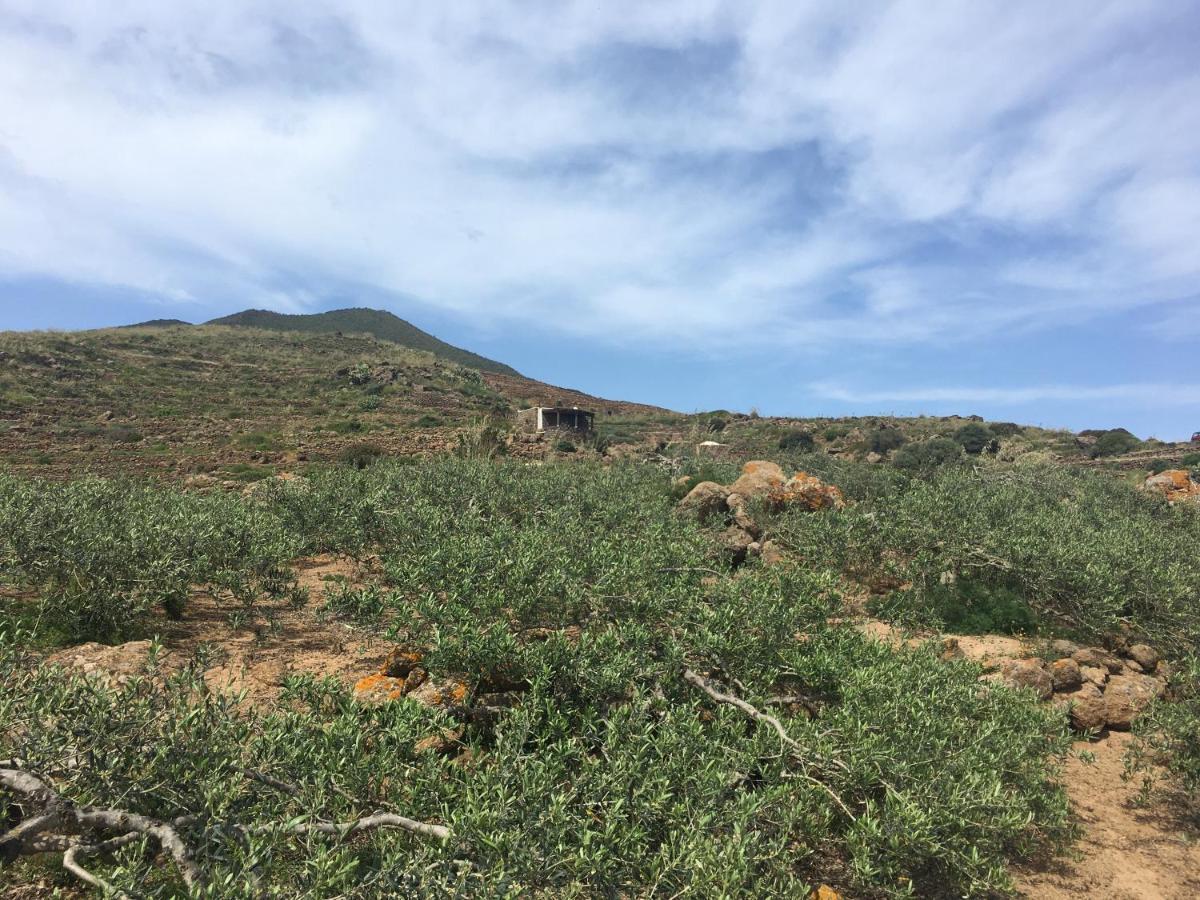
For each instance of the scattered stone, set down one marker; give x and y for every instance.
(1064, 648)
(825, 892)
(1086, 708)
(445, 693)
(400, 661)
(1126, 696)
(376, 689)
(1065, 674)
(770, 554)
(200, 482)
(951, 650)
(705, 500)
(1094, 656)
(737, 541)
(874, 457)
(1028, 673)
(1132, 667)
(445, 743)
(809, 492)
(1094, 675)
(1145, 656)
(759, 479)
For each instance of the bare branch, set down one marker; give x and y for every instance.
(271, 781)
(344, 829)
(758, 716)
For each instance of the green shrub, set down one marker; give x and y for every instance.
(961, 606)
(102, 554)
(835, 432)
(565, 446)
(927, 455)
(796, 439)
(884, 440)
(1086, 552)
(1168, 734)
(611, 774)
(1114, 443)
(347, 426)
(123, 434)
(428, 421)
(974, 437)
(1005, 429)
(361, 455)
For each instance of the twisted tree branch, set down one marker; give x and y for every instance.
(759, 716)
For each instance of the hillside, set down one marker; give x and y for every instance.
(242, 402)
(379, 323)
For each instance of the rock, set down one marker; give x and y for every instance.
(445, 743)
(743, 521)
(680, 483)
(1065, 675)
(1145, 656)
(444, 693)
(874, 457)
(1086, 708)
(200, 482)
(825, 892)
(1064, 648)
(736, 542)
(377, 688)
(400, 661)
(1094, 675)
(809, 492)
(1094, 656)
(1175, 485)
(1132, 667)
(771, 554)
(704, 501)
(1028, 673)
(1126, 696)
(758, 480)
(417, 685)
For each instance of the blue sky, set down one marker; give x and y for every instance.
(808, 208)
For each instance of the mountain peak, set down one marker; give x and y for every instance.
(379, 323)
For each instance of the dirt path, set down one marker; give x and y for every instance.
(1126, 851)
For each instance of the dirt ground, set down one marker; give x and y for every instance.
(1126, 851)
(257, 659)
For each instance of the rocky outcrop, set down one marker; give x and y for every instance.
(114, 666)
(705, 501)
(1176, 485)
(762, 483)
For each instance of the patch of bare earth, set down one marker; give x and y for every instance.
(1127, 851)
(258, 656)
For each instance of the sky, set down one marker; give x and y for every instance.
(805, 208)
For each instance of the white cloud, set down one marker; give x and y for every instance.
(1171, 395)
(724, 172)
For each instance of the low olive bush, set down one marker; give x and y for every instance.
(1086, 552)
(102, 554)
(578, 592)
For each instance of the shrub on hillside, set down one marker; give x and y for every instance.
(1005, 429)
(1086, 552)
(1114, 443)
(884, 440)
(1168, 734)
(361, 455)
(796, 439)
(974, 437)
(927, 455)
(607, 772)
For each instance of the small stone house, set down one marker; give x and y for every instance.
(539, 419)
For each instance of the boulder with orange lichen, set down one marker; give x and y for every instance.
(1175, 485)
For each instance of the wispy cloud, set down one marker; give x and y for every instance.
(725, 173)
(1169, 395)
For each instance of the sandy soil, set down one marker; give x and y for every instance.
(1127, 851)
(257, 659)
